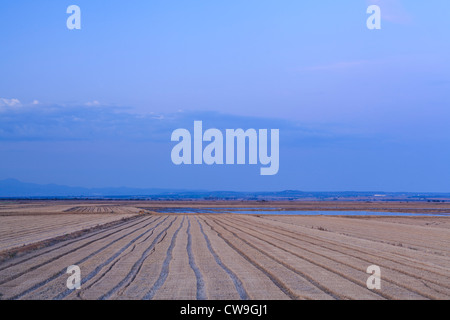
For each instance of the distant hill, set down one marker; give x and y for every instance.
(12, 188)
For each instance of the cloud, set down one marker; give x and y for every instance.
(9, 102)
(105, 123)
(92, 103)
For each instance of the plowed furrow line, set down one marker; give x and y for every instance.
(438, 240)
(27, 233)
(65, 253)
(99, 279)
(129, 278)
(108, 261)
(323, 261)
(201, 294)
(181, 280)
(63, 271)
(257, 263)
(165, 267)
(371, 253)
(237, 282)
(45, 225)
(410, 242)
(303, 275)
(251, 232)
(218, 284)
(396, 278)
(38, 254)
(113, 264)
(147, 273)
(407, 257)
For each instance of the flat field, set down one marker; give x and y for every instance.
(127, 250)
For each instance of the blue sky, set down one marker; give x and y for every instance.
(357, 109)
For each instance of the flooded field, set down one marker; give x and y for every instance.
(338, 213)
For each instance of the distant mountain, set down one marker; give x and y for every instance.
(12, 188)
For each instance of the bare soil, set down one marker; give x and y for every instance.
(126, 250)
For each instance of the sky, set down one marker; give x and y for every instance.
(357, 109)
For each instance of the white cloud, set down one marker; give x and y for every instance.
(35, 102)
(9, 102)
(92, 103)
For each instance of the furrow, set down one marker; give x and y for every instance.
(40, 253)
(201, 295)
(369, 255)
(165, 267)
(258, 264)
(79, 262)
(237, 282)
(394, 278)
(129, 278)
(108, 261)
(28, 269)
(320, 261)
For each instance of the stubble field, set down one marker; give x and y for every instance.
(220, 256)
